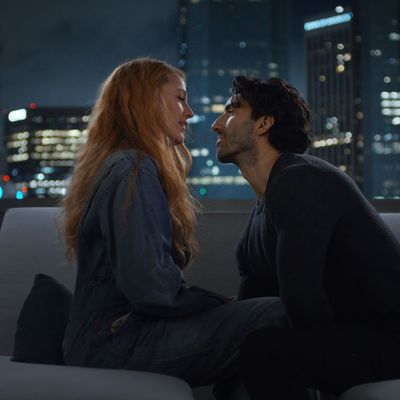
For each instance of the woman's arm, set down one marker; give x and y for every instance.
(139, 236)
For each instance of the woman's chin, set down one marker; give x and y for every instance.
(178, 139)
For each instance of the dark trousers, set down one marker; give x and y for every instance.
(280, 363)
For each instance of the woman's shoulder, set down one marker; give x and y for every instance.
(122, 162)
(116, 173)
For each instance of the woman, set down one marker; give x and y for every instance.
(129, 220)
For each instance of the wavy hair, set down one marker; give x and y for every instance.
(291, 129)
(131, 114)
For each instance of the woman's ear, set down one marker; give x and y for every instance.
(264, 124)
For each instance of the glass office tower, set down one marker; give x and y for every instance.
(218, 40)
(353, 71)
(41, 146)
(333, 90)
(378, 26)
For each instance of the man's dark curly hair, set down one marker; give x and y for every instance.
(275, 97)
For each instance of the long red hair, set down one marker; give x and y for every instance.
(130, 113)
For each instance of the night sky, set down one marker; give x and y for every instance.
(57, 53)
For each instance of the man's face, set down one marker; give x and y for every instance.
(236, 131)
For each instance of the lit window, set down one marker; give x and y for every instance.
(218, 108)
(17, 115)
(395, 36)
(375, 52)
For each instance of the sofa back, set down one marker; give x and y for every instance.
(30, 244)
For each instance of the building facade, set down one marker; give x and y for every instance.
(378, 27)
(353, 80)
(41, 146)
(333, 90)
(218, 40)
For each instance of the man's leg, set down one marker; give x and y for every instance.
(204, 349)
(281, 362)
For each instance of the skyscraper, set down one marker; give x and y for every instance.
(218, 40)
(353, 72)
(333, 90)
(41, 146)
(378, 27)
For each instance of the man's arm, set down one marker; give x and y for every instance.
(304, 206)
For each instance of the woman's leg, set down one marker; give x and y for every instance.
(204, 349)
(281, 362)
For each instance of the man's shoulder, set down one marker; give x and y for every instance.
(303, 167)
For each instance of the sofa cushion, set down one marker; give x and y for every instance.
(42, 322)
(21, 381)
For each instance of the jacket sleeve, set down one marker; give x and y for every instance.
(138, 235)
(304, 207)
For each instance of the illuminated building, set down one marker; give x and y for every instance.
(333, 90)
(378, 26)
(218, 40)
(10, 190)
(41, 146)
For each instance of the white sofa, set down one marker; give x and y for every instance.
(30, 244)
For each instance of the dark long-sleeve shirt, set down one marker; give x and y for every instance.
(317, 243)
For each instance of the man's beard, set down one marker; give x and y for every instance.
(238, 144)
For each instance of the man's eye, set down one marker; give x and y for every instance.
(181, 98)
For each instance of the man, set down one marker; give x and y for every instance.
(316, 242)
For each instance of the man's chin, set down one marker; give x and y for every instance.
(224, 158)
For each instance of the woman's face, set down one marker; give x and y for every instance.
(175, 97)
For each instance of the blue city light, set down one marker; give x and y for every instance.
(1, 192)
(19, 195)
(322, 23)
(202, 191)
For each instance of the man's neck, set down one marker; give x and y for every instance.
(257, 170)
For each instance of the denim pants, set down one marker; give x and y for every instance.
(203, 349)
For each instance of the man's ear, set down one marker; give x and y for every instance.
(264, 124)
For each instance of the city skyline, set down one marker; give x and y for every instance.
(225, 50)
(58, 54)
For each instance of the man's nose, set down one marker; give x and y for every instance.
(216, 126)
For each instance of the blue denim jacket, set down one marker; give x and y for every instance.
(128, 271)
